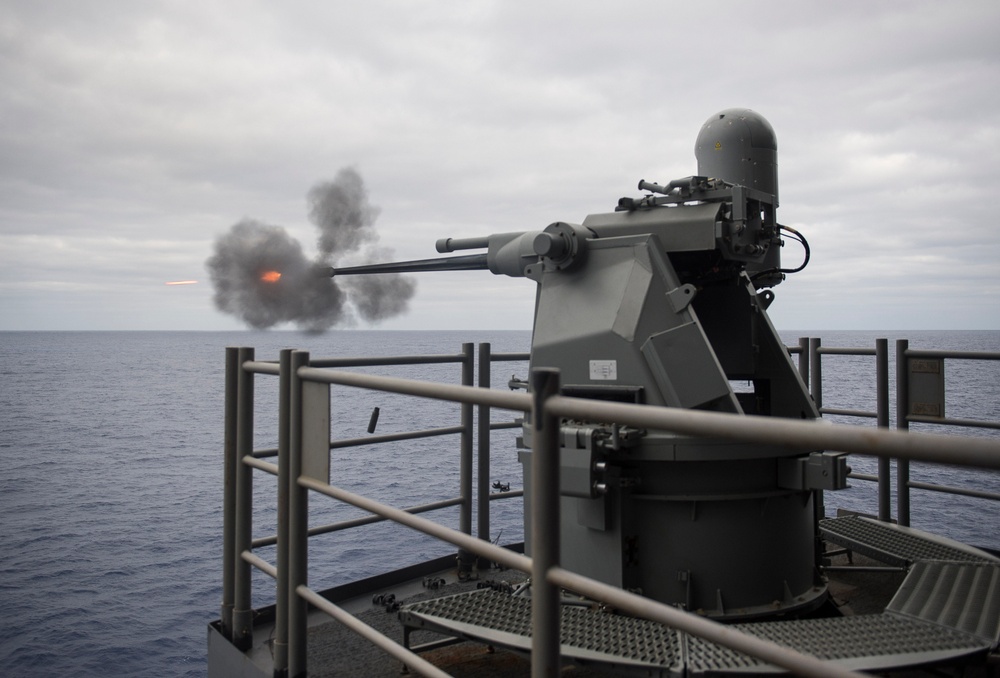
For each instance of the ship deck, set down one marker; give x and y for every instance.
(860, 587)
(901, 602)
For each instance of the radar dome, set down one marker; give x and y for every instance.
(739, 146)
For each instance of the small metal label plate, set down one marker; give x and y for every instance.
(926, 387)
(604, 370)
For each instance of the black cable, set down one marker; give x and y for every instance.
(805, 245)
(801, 239)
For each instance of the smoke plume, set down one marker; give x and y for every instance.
(341, 211)
(262, 276)
(379, 296)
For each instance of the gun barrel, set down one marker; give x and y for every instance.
(472, 262)
(445, 245)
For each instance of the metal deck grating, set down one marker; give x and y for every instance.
(896, 545)
(865, 642)
(964, 596)
(586, 634)
(943, 611)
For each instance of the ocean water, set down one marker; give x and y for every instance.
(111, 481)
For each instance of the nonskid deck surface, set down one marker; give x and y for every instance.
(586, 634)
(942, 611)
(896, 545)
(918, 625)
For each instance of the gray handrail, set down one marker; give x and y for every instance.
(546, 407)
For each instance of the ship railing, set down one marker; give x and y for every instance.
(304, 466)
(919, 397)
(241, 458)
(484, 430)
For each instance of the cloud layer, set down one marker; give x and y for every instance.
(135, 136)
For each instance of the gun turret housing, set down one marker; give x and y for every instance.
(657, 303)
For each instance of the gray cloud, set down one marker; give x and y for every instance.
(133, 136)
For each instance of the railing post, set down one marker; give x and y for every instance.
(465, 468)
(298, 524)
(229, 491)
(483, 445)
(902, 424)
(281, 558)
(882, 421)
(804, 360)
(816, 368)
(816, 390)
(466, 559)
(544, 526)
(243, 534)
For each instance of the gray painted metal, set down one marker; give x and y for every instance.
(739, 146)
(865, 643)
(897, 545)
(943, 611)
(586, 634)
(242, 628)
(960, 595)
(545, 526)
(229, 493)
(467, 435)
(298, 522)
(882, 421)
(902, 424)
(483, 444)
(412, 660)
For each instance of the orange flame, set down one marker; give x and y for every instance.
(270, 276)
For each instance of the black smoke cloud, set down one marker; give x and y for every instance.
(305, 294)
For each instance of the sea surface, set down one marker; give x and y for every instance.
(111, 479)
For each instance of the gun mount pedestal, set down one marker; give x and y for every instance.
(655, 512)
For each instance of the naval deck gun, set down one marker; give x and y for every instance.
(663, 301)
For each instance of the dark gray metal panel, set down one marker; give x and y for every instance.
(964, 596)
(316, 430)
(679, 230)
(686, 550)
(926, 387)
(685, 367)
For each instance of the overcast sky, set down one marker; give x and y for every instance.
(136, 133)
